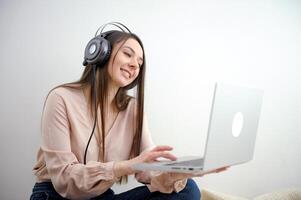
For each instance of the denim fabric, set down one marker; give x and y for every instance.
(46, 191)
(190, 192)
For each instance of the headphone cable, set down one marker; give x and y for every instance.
(95, 112)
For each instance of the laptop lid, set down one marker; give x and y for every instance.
(233, 125)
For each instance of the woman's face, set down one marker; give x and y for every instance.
(126, 66)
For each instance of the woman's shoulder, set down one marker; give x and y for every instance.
(66, 91)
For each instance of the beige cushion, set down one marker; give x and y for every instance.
(213, 195)
(288, 194)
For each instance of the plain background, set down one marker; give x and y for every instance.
(189, 45)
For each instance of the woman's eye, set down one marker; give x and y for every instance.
(127, 54)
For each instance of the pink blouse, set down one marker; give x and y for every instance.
(66, 127)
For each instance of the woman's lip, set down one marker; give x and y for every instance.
(130, 75)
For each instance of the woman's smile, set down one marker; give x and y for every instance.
(126, 73)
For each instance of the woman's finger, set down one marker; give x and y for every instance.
(209, 172)
(162, 154)
(162, 148)
(221, 169)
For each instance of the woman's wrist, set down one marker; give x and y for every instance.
(122, 168)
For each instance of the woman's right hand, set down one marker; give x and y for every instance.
(122, 168)
(154, 154)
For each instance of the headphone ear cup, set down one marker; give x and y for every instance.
(97, 51)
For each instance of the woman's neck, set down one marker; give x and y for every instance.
(111, 93)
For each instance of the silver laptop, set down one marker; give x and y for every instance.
(231, 132)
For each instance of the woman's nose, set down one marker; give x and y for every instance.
(134, 64)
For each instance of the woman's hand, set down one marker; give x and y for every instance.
(122, 168)
(178, 176)
(154, 154)
(213, 171)
(167, 180)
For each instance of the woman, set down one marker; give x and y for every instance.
(68, 168)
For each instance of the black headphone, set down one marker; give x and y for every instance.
(98, 49)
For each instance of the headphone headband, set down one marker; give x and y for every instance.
(116, 24)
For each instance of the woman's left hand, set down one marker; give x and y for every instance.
(178, 176)
(167, 182)
(210, 172)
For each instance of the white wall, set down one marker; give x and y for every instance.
(189, 46)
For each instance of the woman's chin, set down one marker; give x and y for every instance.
(124, 83)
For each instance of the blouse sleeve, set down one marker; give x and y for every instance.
(70, 178)
(157, 181)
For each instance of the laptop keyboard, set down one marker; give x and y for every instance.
(197, 162)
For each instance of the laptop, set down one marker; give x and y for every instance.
(231, 132)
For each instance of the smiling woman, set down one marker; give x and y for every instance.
(73, 164)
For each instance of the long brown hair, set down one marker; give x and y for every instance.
(122, 98)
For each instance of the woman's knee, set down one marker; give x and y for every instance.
(191, 190)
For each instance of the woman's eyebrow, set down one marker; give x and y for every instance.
(132, 50)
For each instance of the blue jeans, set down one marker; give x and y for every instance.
(46, 191)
